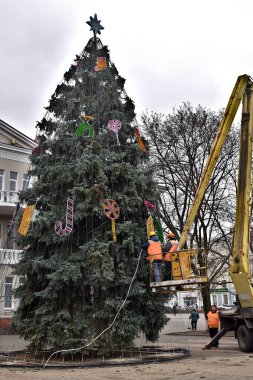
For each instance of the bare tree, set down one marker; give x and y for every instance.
(180, 144)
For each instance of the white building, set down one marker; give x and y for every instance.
(219, 295)
(15, 149)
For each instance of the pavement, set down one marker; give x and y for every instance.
(225, 363)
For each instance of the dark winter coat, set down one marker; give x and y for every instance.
(194, 316)
(167, 247)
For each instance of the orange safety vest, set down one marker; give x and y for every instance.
(172, 249)
(213, 319)
(154, 250)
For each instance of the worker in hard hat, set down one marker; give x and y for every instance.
(154, 249)
(213, 322)
(170, 246)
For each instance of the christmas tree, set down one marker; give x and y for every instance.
(88, 158)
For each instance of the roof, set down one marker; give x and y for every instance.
(12, 137)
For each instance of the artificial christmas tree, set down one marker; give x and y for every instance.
(78, 261)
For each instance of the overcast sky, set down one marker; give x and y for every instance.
(169, 51)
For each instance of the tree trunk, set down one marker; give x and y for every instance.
(205, 291)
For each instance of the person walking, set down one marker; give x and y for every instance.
(213, 322)
(194, 319)
(174, 309)
(170, 246)
(154, 249)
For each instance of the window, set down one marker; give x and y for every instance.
(13, 181)
(8, 230)
(8, 292)
(1, 179)
(214, 299)
(225, 299)
(190, 302)
(26, 179)
(10, 237)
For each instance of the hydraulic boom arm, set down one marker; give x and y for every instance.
(221, 136)
(239, 269)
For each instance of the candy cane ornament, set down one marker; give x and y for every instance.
(69, 220)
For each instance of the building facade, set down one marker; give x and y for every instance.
(223, 297)
(15, 149)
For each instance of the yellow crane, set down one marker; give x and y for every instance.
(240, 320)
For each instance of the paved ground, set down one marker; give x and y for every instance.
(224, 363)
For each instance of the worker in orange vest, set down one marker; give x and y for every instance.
(154, 249)
(170, 246)
(213, 322)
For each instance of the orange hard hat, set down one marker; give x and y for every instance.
(170, 235)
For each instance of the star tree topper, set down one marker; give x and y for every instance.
(94, 24)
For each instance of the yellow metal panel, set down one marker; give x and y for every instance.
(243, 289)
(185, 262)
(181, 264)
(176, 270)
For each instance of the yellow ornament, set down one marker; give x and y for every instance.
(114, 236)
(150, 225)
(26, 220)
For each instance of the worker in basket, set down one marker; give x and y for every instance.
(170, 246)
(154, 249)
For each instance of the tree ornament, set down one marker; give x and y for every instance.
(142, 146)
(112, 211)
(84, 125)
(150, 225)
(94, 24)
(36, 151)
(26, 220)
(159, 230)
(149, 205)
(114, 126)
(69, 220)
(101, 64)
(88, 118)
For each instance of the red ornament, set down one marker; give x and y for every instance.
(149, 205)
(36, 151)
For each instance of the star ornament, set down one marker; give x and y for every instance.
(94, 24)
